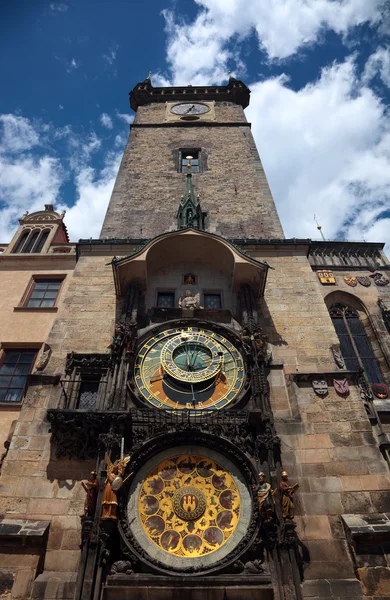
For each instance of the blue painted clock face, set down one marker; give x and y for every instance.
(189, 368)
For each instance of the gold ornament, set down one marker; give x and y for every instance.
(189, 506)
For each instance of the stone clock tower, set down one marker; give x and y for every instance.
(210, 125)
(226, 387)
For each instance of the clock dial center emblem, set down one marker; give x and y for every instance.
(189, 503)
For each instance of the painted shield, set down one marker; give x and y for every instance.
(341, 386)
(365, 281)
(380, 390)
(352, 281)
(380, 279)
(320, 386)
(326, 277)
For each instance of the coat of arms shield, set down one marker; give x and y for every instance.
(352, 281)
(326, 277)
(320, 386)
(380, 279)
(365, 281)
(380, 390)
(341, 386)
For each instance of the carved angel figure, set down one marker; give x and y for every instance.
(189, 300)
(113, 483)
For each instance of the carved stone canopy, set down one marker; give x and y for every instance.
(189, 245)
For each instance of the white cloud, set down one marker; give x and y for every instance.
(26, 183)
(16, 134)
(60, 106)
(325, 150)
(125, 117)
(106, 121)
(58, 7)
(110, 56)
(72, 66)
(120, 141)
(197, 52)
(378, 63)
(93, 189)
(31, 174)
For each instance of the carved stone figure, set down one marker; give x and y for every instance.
(112, 485)
(189, 300)
(338, 358)
(287, 495)
(43, 358)
(265, 499)
(92, 489)
(122, 566)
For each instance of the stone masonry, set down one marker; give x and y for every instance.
(233, 187)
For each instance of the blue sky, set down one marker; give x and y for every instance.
(319, 72)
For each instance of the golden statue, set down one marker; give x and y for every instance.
(287, 493)
(265, 500)
(113, 483)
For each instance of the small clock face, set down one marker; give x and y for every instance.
(190, 368)
(188, 109)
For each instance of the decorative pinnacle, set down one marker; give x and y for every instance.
(319, 228)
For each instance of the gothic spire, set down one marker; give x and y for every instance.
(190, 213)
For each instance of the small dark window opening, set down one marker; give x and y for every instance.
(16, 365)
(165, 300)
(212, 301)
(19, 245)
(195, 161)
(31, 241)
(88, 394)
(42, 241)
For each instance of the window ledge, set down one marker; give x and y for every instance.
(11, 405)
(50, 309)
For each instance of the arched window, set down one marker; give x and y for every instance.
(19, 245)
(354, 344)
(41, 242)
(31, 241)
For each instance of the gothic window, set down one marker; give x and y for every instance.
(184, 161)
(22, 240)
(88, 394)
(33, 237)
(15, 367)
(354, 344)
(31, 241)
(212, 301)
(165, 300)
(41, 242)
(43, 293)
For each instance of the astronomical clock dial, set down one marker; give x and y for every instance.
(189, 507)
(189, 368)
(188, 109)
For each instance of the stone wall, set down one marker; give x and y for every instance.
(233, 188)
(26, 327)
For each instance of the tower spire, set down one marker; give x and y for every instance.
(190, 213)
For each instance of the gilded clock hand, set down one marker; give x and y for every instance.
(193, 396)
